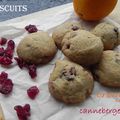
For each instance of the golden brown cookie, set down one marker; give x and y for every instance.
(82, 47)
(109, 34)
(61, 30)
(70, 82)
(108, 69)
(37, 48)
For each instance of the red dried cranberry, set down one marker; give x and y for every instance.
(27, 109)
(20, 112)
(32, 92)
(3, 41)
(2, 51)
(20, 62)
(6, 86)
(10, 45)
(23, 112)
(3, 76)
(9, 53)
(31, 68)
(74, 28)
(32, 71)
(1, 57)
(6, 55)
(5, 61)
(31, 28)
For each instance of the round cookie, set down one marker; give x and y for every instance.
(109, 34)
(108, 69)
(37, 48)
(70, 82)
(1, 114)
(82, 47)
(61, 30)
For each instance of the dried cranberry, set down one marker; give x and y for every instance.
(20, 62)
(5, 61)
(3, 41)
(32, 68)
(74, 28)
(20, 112)
(32, 71)
(9, 53)
(68, 74)
(31, 28)
(23, 112)
(32, 92)
(1, 57)
(27, 109)
(6, 86)
(3, 76)
(2, 51)
(10, 45)
(6, 55)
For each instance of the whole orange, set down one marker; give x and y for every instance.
(93, 9)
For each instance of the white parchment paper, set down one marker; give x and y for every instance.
(44, 107)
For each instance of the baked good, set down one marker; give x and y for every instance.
(1, 114)
(108, 69)
(109, 34)
(82, 47)
(61, 30)
(70, 82)
(37, 48)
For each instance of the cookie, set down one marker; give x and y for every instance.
(37, 48)
(109, 34)
(1, 114)
(82, 47)
(61, 30)
(70, 82)
(108, 69)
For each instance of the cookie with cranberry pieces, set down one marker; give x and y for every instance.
(61, 30)
(109, 34)
(108, 70)
(82, 47)
(70, 82)
(37, 48)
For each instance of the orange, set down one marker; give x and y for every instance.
(93, 9)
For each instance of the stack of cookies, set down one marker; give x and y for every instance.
(72, 79)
